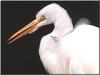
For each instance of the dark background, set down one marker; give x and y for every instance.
(22, 56)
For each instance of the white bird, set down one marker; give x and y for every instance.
(66, 50)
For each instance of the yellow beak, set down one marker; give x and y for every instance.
(25, 30)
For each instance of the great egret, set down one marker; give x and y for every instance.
(66, 50)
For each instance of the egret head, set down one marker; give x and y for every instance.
(45, 16)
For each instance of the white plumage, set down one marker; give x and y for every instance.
(68, 50)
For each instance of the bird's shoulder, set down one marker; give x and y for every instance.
(45, 38)
(48, 42)
(48, 38)
(48, 45)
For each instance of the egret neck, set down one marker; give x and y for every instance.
(62, 26)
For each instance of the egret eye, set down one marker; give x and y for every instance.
(41, 18)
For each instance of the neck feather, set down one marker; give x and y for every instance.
(62, 26)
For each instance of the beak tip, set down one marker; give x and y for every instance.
(9, 42)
